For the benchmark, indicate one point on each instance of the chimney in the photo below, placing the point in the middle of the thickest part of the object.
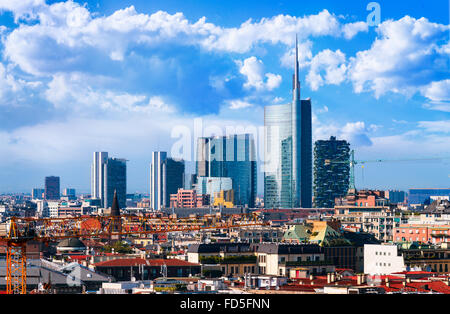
(363, 278)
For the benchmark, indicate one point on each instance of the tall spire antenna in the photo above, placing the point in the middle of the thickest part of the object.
(296, 84)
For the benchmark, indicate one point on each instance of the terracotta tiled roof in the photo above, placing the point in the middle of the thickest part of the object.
(128, 262)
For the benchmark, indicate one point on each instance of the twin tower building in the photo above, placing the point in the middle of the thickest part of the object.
(228, 163)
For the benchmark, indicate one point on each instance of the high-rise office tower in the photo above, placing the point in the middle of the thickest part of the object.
(108, 175)
(166, 177)
(52, 188)
(331, 171)
(231, 157)
(97, 175)
(202, 163)
(288, 151)
(115, 180)
(37, 193)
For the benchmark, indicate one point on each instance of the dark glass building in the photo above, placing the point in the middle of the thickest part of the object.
(52, 188)
(166, 177)
(288, 152)
(115, 179)
(173, 178)
(231, 157)
(331, 171)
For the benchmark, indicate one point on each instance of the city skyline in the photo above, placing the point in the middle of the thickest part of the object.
(86, 84)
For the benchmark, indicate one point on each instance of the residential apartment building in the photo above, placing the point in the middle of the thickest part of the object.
(377, 220)
(278, 259)
(274, 259)
(428, 258)
(331, 171)
(423, 233)
(188, 199)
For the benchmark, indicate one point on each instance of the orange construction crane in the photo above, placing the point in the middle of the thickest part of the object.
(21, 230)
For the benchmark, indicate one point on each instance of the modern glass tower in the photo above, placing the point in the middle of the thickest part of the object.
(288, 151)
(115, 180)
(108, 175)
(231, 157)
(52, 188)
(166, 177)
(97, 175)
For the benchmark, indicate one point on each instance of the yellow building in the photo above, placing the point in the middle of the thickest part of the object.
(224, 199)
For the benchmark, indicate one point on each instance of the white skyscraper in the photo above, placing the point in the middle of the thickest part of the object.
(156, 177)
(166, 177)
(98, 175)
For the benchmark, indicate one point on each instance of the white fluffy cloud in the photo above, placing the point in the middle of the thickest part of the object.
(74, 92)
(327, 67)
(439, 95)
(406, 57)
(70, 30)
(239, 104)
(356, 133)
(304, 55)
(351, 29)
(22, 8)
(253, 69)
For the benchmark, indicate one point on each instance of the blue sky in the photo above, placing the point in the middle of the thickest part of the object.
(121, 76)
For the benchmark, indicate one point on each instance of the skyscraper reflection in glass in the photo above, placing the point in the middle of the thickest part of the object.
(232, 157)
(288, 152)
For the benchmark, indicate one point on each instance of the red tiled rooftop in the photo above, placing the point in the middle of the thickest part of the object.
(79, 257)
(127, 262)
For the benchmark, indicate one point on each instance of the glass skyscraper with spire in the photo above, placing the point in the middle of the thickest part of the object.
(288, 151)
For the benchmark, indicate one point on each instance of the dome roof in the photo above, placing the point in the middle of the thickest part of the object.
(71, 243)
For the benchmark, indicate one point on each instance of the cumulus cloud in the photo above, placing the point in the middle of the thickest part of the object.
(304, 55)
(22, 8)
(71, 93)
(351, 29)
(239, 104)
(327, 67)
(253, 69)
(356, 133)
(439, 95)
(407, 55)
(67, 29)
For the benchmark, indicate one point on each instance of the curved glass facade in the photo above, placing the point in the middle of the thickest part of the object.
(288, 152)
(278, 158)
